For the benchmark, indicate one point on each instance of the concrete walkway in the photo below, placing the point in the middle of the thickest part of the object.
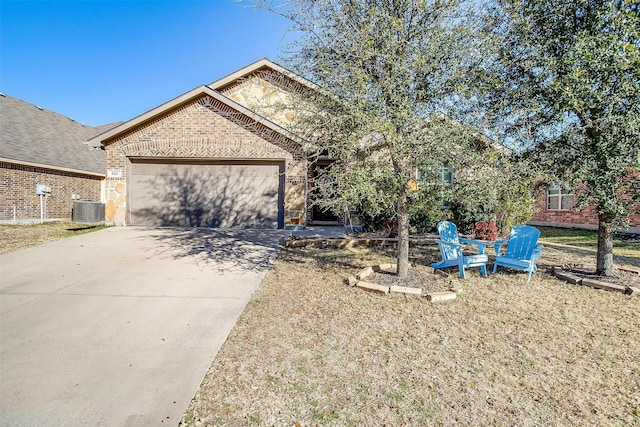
(118, 327)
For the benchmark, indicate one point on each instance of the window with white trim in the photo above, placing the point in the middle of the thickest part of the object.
(559, 197)
(440, 177)
(446, 178)
(446, 175)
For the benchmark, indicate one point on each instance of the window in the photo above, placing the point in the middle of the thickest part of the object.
(559, 197)
(442, 177)
(446, 178)
(446, 175)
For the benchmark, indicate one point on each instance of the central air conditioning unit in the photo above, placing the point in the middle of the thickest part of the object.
(84, 211)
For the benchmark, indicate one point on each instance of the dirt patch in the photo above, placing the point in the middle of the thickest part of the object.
(419, 276)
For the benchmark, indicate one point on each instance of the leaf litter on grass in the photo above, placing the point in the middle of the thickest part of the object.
(310, 350)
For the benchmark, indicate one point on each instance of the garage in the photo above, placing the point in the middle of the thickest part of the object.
(205, 159)
(200, 193)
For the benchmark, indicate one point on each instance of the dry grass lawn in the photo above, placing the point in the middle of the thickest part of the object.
(15, 237)
(309, 350)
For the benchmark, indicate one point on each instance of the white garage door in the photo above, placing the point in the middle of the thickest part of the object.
(206, 194)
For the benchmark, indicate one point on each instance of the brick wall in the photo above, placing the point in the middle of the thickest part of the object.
(587, 217)
(202, 129)
(18, 188)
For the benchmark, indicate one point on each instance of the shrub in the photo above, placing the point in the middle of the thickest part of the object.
(424, 220)
(485, 230)
(466, 215)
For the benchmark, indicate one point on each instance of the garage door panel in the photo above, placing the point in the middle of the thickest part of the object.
(206, 195)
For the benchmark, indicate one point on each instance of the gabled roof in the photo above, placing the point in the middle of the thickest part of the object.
(35, 136)
(261, 64)
(183, 99)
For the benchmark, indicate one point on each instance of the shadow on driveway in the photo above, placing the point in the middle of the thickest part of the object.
(119, 327)
(221, 249)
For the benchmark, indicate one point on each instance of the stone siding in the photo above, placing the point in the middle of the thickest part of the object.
(269, 94)
(203, 129)
(18, 189)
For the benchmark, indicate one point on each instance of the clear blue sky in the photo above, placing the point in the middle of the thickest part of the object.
(104, 61)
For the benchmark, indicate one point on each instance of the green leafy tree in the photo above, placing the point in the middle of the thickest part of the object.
(392, 71)
(567, 75)
(516, 184)
(500, 188)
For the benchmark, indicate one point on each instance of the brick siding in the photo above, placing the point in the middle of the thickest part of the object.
(18, 189)
(202, 129)
(587, 217)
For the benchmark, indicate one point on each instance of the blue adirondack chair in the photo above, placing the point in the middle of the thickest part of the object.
(522, 250)
(450, 245)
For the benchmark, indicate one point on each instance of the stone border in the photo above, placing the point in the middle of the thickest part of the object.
(630, 270)
(350, 242)
(596, 284)
(358, 281)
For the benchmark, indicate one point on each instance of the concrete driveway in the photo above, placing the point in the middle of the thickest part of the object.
(118, 327)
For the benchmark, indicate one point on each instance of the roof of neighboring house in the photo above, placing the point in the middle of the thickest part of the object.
(39, 137)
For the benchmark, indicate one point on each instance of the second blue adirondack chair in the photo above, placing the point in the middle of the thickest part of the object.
(450, 245)
(522, 250)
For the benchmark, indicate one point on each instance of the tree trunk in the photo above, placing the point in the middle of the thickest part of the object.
(604, 263)
(403, 235)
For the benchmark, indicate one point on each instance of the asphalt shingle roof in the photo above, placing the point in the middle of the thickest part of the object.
(32, 134)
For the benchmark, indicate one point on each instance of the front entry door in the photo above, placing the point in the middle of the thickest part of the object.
(318, 214)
